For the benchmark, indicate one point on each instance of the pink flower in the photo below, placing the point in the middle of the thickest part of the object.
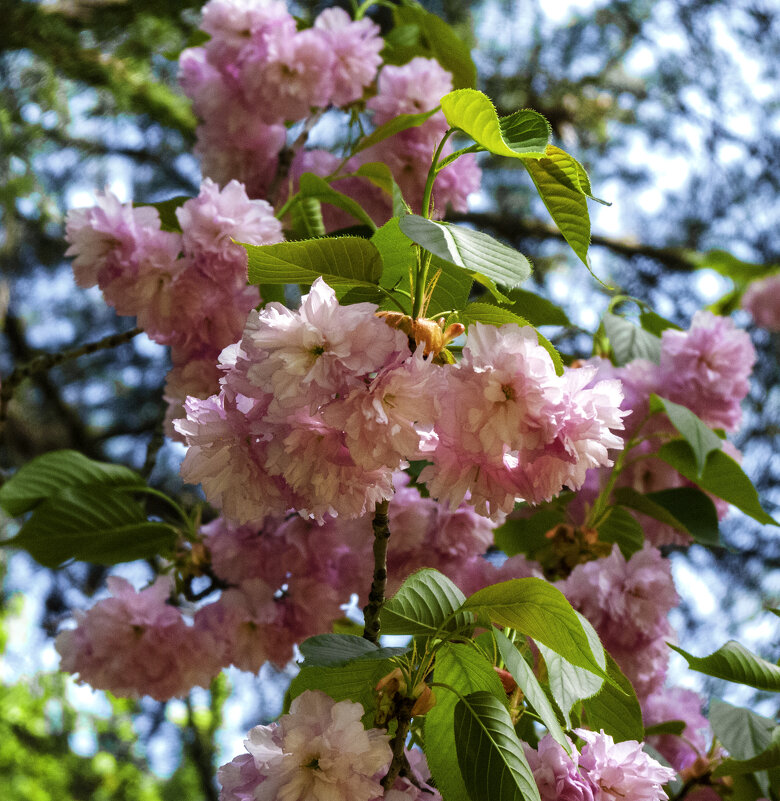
(409, 89)
(323, 348)
(707, 367)
(456, 182)
(622, 770)
(238, 779)
(356, 46)
(762, 300)
(404, 789)
(213, 219)
(109, 229)
(510, 428)
(227, 441)
(676, 703)
(319, 751)
(383, 420)
(288, 76)
(315, 462)
(135, 644)
(556, 774)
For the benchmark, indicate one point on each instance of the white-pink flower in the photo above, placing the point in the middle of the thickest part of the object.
(319, 751)
(622, 771)
(762, 300)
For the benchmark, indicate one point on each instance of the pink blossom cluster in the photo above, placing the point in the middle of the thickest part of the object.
(602, 771)
(134, 643)
(628, 601)
(257, 72)
(319, 751)
(511, 429)
(289, 579)
(317, 408)
(762, 300)
(705, 368)
(187, 290)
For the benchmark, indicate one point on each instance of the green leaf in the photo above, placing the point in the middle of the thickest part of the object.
(332, 650)
(769, 758)
(432, 37)
(557, 180)
(675, 727)
(400, 123)
(702, 439)
(380, 175)
(354, 680)
(343, 260)
(306, 219)
(424, 604)
(167, 211)
(313, 186)
(496, 315)
(90, 523)
(656, 324)
(734, 662)
(527, 535)
(532, 690)
(617, 713)
(568, 683)
(473, 251)
(491, 758)
(743, 733)
(723, 262)
(722, 476)
(465, 670)
(452, 287)
(524, 134)
(630, 342)
(621, 527)
(46, 475)
(686, 509)
(536, 309)
(694, 510)
(534, 607)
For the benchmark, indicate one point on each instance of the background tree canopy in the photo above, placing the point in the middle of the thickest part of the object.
(672, 106)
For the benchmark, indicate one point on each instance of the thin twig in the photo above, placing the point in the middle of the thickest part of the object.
(48, 360)
(377, 595)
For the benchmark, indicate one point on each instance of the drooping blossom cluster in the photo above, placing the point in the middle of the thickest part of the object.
(762, 300)
(258, 73)
(602, 771)
(628, 601)
(319, 751)
(135, 644)
(188, 290)
(514, 430)
(317, 408)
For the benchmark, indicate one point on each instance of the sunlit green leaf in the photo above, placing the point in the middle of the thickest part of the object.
(702, 439)
(734, 662)
(491, 758)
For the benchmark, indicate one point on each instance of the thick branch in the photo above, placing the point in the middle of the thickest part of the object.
(399, 743)
(674, 258)
(377, 595)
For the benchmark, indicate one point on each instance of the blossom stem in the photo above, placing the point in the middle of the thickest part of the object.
(399, 743)
(377, 595)
(426, 202)
(48, 360)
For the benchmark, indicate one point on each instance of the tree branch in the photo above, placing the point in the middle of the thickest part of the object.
(46, 361)
(376, 596)
(678, 259)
